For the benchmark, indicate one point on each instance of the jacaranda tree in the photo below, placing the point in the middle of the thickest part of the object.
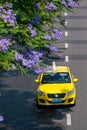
(24, 39)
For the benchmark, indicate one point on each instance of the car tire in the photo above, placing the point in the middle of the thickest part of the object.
(38, 106)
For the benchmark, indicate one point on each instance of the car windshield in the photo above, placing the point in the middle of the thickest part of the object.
(59, 77)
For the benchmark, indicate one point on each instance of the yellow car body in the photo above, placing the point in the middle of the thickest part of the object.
(54, 91)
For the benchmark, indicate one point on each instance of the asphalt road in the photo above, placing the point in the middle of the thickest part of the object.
(17, 93)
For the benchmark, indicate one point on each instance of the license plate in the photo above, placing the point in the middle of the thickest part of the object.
(56, 101)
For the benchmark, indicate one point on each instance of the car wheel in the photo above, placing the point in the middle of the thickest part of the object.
(38, 106)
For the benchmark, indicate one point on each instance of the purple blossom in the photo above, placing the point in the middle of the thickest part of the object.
(3, 11)
(18, 57)
(50, 6)
(1, 7)
(64, 2)
(37, 69)
(4, 44)
(72, 3)
(8, 5)
(1, 118)
(35, 20)
(11, 21)
(29, 59)
(33, 33)
(38, 5)
(5, 18)
(47, 68)
(37, 53)
(13, 66)
(56, 34)
(33, 55)
(47, 37)
(7, 14)
(27, 63)
(52, 48)
(29, 26)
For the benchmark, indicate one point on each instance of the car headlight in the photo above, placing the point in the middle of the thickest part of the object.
(71, 92)
(41, 93)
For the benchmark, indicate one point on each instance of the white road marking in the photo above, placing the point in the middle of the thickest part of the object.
(66, 23)
(66, 58)
(69, 122)
(66, 45)
(66, 33)
(65, 14)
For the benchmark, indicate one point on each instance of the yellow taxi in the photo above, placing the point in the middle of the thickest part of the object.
(56, 87)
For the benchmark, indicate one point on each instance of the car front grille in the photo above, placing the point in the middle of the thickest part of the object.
(58, 95)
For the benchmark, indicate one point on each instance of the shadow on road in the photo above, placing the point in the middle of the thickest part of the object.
(20, 112)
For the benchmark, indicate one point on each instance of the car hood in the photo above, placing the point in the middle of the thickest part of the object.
(56, 88)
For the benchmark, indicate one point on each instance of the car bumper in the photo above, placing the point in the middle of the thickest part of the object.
(55, 101)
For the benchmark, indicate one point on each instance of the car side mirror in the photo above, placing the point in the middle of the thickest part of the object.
(75, 80)
(37, 80)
